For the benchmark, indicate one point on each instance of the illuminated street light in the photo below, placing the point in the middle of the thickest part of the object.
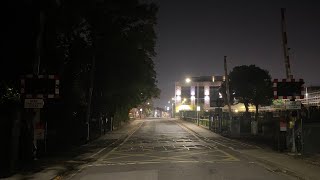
(188, 80)
(168, 102)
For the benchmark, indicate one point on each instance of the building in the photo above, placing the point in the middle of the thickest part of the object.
(312, 96)
(198, 93)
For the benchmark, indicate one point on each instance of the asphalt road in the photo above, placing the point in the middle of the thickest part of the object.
(164, 149)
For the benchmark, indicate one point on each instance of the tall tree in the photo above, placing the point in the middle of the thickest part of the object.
(251, 85)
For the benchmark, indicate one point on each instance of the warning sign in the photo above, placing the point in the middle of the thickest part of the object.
(291, 105)
(33, 103)
(39, 131)
(283, 126)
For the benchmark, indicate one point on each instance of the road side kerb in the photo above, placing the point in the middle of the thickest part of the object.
(125, 131)
(59, 171)
(273, 161)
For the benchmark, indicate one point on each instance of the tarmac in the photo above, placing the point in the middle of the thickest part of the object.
(272, 160)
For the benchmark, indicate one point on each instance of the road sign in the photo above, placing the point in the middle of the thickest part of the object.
(39, 131)
(40, 86)
(33, 103)
(288, 89)
(293, 105)
(283, 126)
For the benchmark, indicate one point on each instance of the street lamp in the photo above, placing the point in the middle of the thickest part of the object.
(188, 80)
(172, 109)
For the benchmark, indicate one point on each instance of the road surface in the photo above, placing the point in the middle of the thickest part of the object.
(165, 149)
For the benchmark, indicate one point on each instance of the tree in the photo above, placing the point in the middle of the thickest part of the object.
(251, 85)
(125, 75)
(118, 35)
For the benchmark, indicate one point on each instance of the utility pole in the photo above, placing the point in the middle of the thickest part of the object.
(227, 89)
(285, 44)
(90, 96)
(36, 71)
(198, 120)
(288, 68)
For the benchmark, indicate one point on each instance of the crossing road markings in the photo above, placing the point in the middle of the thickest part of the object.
(215, 155)
(132, 155)
(154, 162)
(191, 132)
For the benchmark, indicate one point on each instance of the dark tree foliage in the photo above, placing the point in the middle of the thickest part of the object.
(124, 49)
(251, 85)
(114, 39)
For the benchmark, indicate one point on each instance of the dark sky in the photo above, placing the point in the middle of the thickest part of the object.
(195, 35)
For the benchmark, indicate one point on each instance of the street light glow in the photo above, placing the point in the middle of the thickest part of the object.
(188, 80)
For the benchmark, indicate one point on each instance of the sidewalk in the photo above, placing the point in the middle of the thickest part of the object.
(55, 166)
(277, 161)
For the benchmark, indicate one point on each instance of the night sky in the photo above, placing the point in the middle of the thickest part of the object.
(194, 36)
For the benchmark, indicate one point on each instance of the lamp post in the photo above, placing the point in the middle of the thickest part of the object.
(172, 109)
(188, 80)
(140, 112)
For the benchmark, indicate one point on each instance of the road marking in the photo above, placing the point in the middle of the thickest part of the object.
(110, 152)
(191, 132)
(158, 162)
(81, 168)
(156, 156)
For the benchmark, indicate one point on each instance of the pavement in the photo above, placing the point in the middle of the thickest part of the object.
(274, 161)
(164, 149)
(53, 167)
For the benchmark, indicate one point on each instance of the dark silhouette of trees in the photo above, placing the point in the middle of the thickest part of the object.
(251, 85)
(100, 46)
(112, 39)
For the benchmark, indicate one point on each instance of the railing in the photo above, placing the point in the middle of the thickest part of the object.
(203, 122)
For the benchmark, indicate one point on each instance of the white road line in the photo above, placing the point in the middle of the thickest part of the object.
(194, 134)
(100, 159)
(106, 155)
